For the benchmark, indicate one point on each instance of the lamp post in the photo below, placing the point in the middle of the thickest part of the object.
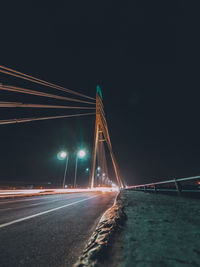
(103, 178)
(81, 154)
(98, 175)
(61, 156)
(88, 170)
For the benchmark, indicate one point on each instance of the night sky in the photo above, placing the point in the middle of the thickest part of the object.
(144, 56)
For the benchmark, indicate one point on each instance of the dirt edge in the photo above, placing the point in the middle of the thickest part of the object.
(96, 249)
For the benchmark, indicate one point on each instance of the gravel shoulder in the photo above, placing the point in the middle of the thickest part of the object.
(159, 230)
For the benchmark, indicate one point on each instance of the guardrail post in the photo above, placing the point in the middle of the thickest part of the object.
(155, 188)
(178, 187)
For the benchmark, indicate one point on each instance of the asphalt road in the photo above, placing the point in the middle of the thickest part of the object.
(49, 230)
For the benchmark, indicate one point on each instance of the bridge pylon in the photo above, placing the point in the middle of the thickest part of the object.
(101, 129)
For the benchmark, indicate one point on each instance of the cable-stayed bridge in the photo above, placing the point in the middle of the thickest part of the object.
(50, 226)
(87, 106)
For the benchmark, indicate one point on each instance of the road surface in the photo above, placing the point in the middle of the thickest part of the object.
(49, 230)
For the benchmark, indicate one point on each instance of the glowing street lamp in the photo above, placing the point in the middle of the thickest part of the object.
(61, 156)
(88, 170)
(80, 155)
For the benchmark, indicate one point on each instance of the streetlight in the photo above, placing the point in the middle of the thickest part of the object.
(61, 156)
(98, 171)
(88, 170)
(81, 154)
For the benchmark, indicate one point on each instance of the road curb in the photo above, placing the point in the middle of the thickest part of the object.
(99, 242)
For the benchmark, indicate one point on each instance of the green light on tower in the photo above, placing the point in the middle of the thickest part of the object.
(99, 91)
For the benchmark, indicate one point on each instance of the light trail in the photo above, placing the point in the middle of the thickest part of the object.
(4, 193)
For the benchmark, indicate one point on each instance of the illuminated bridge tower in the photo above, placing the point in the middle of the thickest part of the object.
(101, 134)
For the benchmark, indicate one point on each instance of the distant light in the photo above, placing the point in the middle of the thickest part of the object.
(81, 154)
(87, 170)
(104, 174)
(99, 168)
(62, 155)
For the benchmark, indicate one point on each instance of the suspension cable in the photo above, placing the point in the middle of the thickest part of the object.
(21, 120)
(39, 93)
(24, 105)
(21, 75)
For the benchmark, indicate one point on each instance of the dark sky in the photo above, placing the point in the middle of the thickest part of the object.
(143, 54)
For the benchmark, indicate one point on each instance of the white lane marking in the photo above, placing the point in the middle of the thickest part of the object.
(36, 198)
(43, 212)
(21, 200)
(35, 204)
(5, 209)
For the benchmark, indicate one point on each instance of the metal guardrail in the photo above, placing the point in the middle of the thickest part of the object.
(181, 185)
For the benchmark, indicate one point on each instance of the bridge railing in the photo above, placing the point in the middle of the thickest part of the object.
(182, 185)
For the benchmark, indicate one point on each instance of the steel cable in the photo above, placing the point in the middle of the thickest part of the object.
(32, 92)
(24, 105)
(21, 120)
(21, 75)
